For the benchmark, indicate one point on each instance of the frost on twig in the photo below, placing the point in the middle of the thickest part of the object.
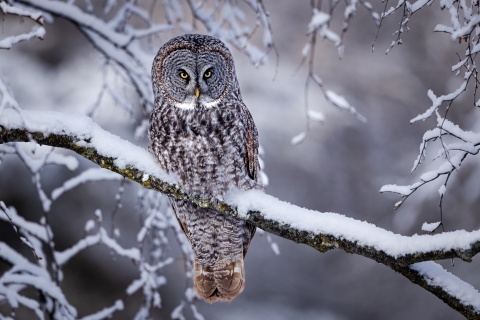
(455, 143)
(37, 31)
(322, 231)
(406, 10)
(319, 26)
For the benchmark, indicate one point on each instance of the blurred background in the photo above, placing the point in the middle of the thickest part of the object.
(339, 167)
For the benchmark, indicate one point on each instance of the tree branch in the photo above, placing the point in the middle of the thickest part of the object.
(322, 231)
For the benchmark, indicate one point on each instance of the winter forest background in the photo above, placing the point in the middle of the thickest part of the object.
(340, 165)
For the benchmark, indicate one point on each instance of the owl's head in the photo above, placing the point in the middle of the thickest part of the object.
(193, 71)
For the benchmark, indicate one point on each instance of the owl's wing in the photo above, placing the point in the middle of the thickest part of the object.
(252, 164)
(251, 156)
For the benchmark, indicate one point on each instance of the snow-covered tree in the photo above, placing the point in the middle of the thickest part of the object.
(125, 36)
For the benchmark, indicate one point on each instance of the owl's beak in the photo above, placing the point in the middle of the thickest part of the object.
(197, 92)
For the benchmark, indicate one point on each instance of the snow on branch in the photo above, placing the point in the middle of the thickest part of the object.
(37, 31)
(322, 231)
(319, 25)
(455, 153)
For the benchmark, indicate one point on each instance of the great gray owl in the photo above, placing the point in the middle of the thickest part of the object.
(201, 130)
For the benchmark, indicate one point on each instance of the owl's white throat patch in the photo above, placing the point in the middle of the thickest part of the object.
(191, 104)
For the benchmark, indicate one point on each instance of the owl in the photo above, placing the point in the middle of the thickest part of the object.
(201, 130)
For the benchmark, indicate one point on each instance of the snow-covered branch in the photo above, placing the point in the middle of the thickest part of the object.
(37, 31)
(319, 26)
(322, 231)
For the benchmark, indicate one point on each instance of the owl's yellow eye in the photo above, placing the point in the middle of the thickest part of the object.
(207, 74)
(183, 75)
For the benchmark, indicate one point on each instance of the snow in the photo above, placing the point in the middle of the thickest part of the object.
(319, 19)
(275, 248)
(429, 175)
(437, 101)
(263, 178)
(89, 225)
(437, 276)
(459, 64)
(317, 79)
(341, 103)
(37, 32)
(135, 285)
(339, 226)
(68, 161)
(90, 134)
(64, 256)
(42, 284)
(368, 5)
(105, 313)
(31, 227)
(467, 29)
(443, 28)
(89, 175)
(98, 215)
(441, 190)
(475, 49)
(76, 14)
(455, 130)
(101, 237)
(299, 138)
(306, 49)
(417, 5)
(132, 253)
(316, 115)
(8, 9)
(430, 227)
(403, 190)
(177, 313)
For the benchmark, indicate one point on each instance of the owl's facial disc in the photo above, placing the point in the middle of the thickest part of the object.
(193, 80)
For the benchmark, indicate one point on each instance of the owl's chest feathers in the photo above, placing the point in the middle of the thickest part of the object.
(205, 149)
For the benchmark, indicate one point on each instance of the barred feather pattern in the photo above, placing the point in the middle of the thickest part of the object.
(213, 148)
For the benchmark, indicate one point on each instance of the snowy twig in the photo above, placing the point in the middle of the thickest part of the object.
(320, 26)
(37, 31)
(322, 231)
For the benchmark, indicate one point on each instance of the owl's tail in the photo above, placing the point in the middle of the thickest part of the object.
(220, 282)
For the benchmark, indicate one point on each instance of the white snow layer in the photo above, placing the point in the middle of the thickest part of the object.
(439, 277)
(319, 18)
(299, 138)
(337, 225)
(430, 227)
(105, 313)
(89, 175)
(125, 153)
